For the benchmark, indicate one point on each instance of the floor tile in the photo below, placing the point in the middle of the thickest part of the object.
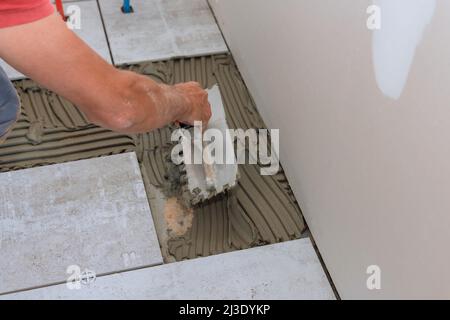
(288, 270)
(90, 213)
(161, 29)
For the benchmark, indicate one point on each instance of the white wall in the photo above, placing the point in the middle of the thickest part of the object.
(365, 142)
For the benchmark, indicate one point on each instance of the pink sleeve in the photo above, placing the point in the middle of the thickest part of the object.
(15, 12)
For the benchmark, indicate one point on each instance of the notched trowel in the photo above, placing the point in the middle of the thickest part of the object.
(208, 164)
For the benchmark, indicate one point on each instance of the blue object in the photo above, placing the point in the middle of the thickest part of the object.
(127, 8)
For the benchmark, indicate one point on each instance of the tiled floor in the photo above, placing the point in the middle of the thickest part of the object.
(78, 213)
(94, 213)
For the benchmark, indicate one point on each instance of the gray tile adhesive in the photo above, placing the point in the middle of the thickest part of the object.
(260, 210)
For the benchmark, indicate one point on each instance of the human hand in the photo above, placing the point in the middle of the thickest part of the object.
(197, 104)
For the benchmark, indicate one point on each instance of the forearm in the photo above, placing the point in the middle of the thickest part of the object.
(48, 52)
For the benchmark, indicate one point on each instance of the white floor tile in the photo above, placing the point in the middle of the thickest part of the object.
(161, 29)
(90, 213)
(288, 270)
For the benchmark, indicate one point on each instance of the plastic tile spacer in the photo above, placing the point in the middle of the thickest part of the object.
(126, 7)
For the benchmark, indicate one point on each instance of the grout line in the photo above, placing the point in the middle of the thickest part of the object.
(105, 32)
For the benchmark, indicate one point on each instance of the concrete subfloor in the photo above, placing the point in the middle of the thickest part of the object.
(289, 270)
(77, 213)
